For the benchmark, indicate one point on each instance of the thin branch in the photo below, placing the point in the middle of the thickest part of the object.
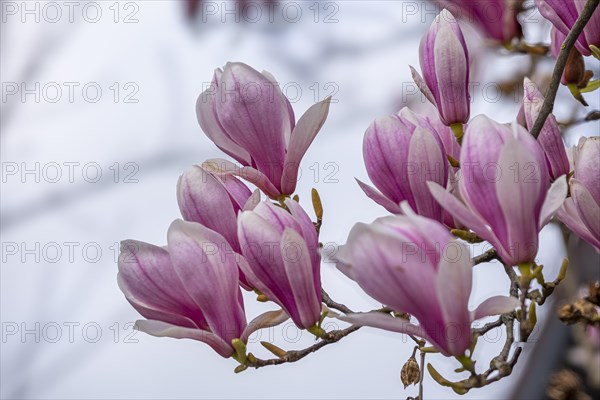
(422, 376)
(561, 62)
(485, 257)
(295, 355)
(333, 304)
(488, 327)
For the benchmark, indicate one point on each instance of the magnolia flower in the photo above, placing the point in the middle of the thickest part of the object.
(581, 211)
(247, 116)
(414, 265)
(281, 248)
(174, 287)
(496, 19)
(563, 14)
(505, 189)
(188, 289)
(445, 66)
(402, 152)
(549, 139)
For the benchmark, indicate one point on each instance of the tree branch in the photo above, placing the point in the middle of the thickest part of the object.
(332, 304)
(295, 355)
(561, 62)
(485, 257)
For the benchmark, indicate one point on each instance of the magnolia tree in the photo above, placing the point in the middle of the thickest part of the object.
(446, 178)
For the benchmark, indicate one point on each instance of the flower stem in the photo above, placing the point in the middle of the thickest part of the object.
(457, 129)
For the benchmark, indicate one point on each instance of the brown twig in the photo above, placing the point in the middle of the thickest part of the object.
(422, 376)
(561, 62)
(488, 327)
(295, 355)
(333, 304)
(485, 257)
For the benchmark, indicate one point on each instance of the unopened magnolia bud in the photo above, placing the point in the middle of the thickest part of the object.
(575, 68)
(410, 374)
(279, 352)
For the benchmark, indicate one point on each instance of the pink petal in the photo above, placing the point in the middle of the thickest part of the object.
(252, 201)
(392, 268)
(259, 241)
(518, 191)
(480, 151)
(387, 322)
(382, 321)
(422, 85)
(303, 135)
(265, 320)
(203, 198)
(300, 275)
(554, 199)
(588, 209)
(308, 232)
(461, 212)
(495, 305)
(255, 116)
(587, 165)
(150, 283)
(569, 215)
(453, 286)
(260, 180)
(454, 282)
(206, 265)
(452, 73)
(162, 329)
(378, 198)
(207, 117)
(426, 152)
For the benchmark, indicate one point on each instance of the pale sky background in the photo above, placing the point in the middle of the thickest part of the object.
(83, 346)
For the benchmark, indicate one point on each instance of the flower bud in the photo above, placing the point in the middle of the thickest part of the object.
(283, 262)
(574, 69)
(402, 153)
(444, 60)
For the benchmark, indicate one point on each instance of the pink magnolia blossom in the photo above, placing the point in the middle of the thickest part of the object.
(504, 186)
(550, 139)
(563, 14)
(283, 262)
(247, 116)
(402, 152)
(581, 211)
(188, 289)
(414, 265)
(445, 65)
(496, 19)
